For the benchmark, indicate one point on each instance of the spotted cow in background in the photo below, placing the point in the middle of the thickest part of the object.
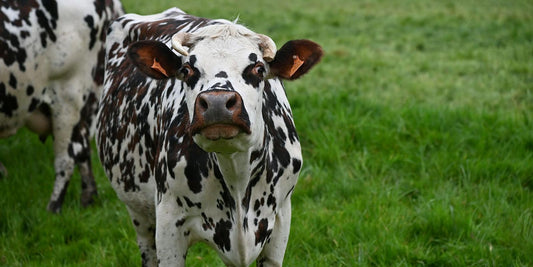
(198, 141)
(51, 75)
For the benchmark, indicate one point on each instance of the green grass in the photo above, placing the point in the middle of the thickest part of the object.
(416, 130)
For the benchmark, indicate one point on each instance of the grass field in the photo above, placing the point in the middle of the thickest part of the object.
(417, 132)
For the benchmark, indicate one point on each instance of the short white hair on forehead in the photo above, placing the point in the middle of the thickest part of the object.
(225, 31)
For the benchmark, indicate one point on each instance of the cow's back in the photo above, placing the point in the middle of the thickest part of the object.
(51, 76)
(42, 45)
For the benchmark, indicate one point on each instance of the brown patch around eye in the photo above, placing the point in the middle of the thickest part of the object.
(254, 74)
(186, 71)
(259, 70)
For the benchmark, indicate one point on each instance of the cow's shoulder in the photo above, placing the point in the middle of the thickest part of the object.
(284, 157)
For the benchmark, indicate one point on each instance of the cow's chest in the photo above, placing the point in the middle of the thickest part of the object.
(234, 219)
(237, 233)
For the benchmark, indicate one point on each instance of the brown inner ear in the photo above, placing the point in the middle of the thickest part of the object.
(296, 64)
(154, 59)
(158, 67)
(295, 58)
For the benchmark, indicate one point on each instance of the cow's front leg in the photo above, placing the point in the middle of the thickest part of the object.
(88, 185)
(3, 171)
(71, 123)
(145, 229)
(64, 166)
(274, 250)
(64, 117)
(171, 244)
(80, 149)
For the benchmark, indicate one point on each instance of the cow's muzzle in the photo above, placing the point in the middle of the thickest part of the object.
(219, 114)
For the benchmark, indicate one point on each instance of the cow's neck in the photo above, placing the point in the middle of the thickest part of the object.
(241, 171)
(235, 169)
(239, 168)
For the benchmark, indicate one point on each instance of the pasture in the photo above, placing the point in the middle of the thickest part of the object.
(416, 129)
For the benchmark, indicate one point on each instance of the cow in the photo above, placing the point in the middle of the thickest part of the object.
(51, 77)
(196, 135)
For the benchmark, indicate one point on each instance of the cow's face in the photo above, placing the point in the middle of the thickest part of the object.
(224, 69)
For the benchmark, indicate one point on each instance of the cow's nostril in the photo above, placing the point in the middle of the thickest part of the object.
(203, 104)
(231, 102)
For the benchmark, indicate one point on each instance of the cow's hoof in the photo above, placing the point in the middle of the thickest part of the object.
(54, 207)
(87, 198)
(3, 171)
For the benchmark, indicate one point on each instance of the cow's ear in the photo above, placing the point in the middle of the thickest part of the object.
(295, 58)
(154, 59)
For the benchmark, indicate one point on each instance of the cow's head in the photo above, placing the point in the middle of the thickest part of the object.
(224, 69)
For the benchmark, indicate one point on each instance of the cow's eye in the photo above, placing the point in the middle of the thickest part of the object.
(259, 70)
(186, 71)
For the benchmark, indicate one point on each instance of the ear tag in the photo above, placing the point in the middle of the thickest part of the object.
(158, 67)
(296, 64)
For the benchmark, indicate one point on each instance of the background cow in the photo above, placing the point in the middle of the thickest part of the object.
(201, 145)
(51, 73)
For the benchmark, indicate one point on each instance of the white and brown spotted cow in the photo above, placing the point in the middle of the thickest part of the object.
(51, 76)
(198, 141)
